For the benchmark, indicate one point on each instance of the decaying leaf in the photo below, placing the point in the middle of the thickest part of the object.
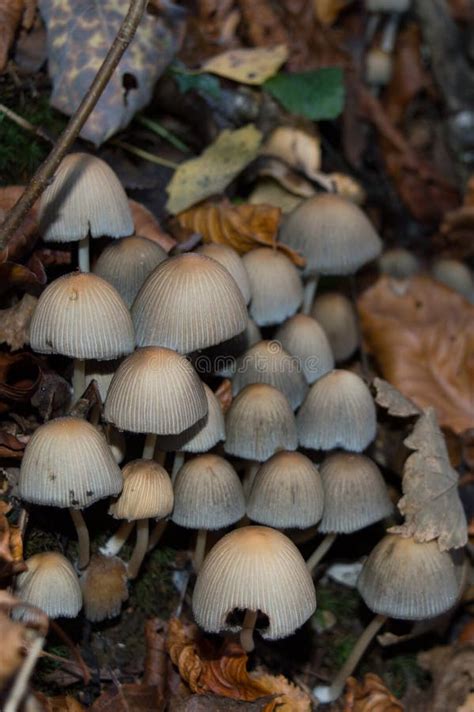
(243, 227)
(10, 446)
(146, 225)
(11, 551)
(263, 25)
(226, 673)
(327, 11)
(394, 402)
(80, 34)
(213, 703)
(452, 671)
(214, 169)
(124, 698)
(422, 336)
(61, 703)
(224, 394)
(431, 504)
(370, 695)
(12, 649)
(20, 375)
(248, 65)
(11, 14)
(269, 192)
(15, 322)
(25, 237)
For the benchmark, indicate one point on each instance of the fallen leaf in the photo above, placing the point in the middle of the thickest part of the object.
(248, 65)
(146, 225)
(394, 402)
(226, 673)
(299, 149)
(421, 334)
(156, 658)
(20, 276)
(20, 375)
(452, 672)
(243, 227)
(327, 11)
(316, 94)
(214, 169)
(213, 703)
(263, 25)
(224, 394)
(125, 698)
(11, 551)
(370, 695)
(13, 647)
(10, 446)
(80, 33)
(431, 504)
(53, 395)
(11, 14)
(268, 191)
(23, 240)
(61, 703)
(15, 322)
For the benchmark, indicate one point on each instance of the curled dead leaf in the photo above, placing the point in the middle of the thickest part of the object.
(146, 225)
(452, 670)
(22, 241)
(422, 336)
(370, 695)
(20, 375)
(242, 227)
(394, 402)
(11, 550)
(12, 649)
(15, 322)
(61, 703)
(224, 394)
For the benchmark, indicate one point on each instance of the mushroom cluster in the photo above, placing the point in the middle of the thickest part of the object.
(159, 321)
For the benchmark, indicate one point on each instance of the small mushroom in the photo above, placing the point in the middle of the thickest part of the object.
(51, 584)
(233, 263)
(302, 337)
(336, 315)
(399, 263)
(456, 275)
(104, 587)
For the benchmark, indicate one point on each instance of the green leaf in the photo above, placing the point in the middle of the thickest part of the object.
(317, 94)
(202, 83)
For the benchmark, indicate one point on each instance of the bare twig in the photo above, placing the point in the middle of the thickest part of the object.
(41, 178)
(26, 125)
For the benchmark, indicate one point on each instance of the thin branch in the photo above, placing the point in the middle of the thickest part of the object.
(26, 125)
(42, 176)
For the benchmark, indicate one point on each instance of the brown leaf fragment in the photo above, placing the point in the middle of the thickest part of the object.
(53, 395)
(10, 446)
(125, 698)
(23, 240)
(262, 25)
(394, 402)
(224, 394)
(61, 703)
(431, 504)
(213, 703)
(15, 322)
(421, 334)
(11, 14)
(327, 11)
(11, 550)
(370, 695)
(12, 649)
(452, 670)
(146, 225)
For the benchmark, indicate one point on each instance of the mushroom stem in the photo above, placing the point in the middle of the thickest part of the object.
(320, 551)
(326, 693)
(309, 294)
(246, 633)
(200, 549)
(178, 462)
(149, 447)
(117, 540)
(82, 537)
(83, 255)
(79, 378)
(155, 536)
(249, 476)
(18, 690)
(389, 32)
(140, 549)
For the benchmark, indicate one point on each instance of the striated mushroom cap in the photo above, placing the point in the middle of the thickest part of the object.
(188, 302)
(208, 494)
(333, 234)
(67, 463)
(85, 197)
(259, 569)
(82, 316)
(267, 362)
(126, 264)
(336, 315)
(232, 261)
(155, 390)
(406, 579)
(51, 584)
(275, 285)
(259, 423)
(355, 493)
(338, 412)
(147, 492)
(287, 492)
(302, 337)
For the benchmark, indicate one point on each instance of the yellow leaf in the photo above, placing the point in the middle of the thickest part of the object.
(247, 66)
(214, 169)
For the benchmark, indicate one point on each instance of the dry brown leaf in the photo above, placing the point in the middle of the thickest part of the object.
(11, 551)
(394, 402)
(22, 241)
(62, 703)
(15, 322)
(243, 227)
(431, 504)
(456, 233)
(327, 11)
(20, 376)
(11, 14)
(452, 670)
(263, 26)
(12, 649)
(370, 695)
(224, 394)
(146, 225)
(125, 698)
(226, 674)
(422, 336)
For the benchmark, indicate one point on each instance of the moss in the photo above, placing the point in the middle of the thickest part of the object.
(342, 602)
(403, 670)
(340, 650)
(153, 592)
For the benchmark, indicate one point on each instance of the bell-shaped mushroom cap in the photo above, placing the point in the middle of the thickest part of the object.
(231, 260)
(208, 494)
(259, 423)
(355, 493)
(275, 285)
(406, 579)
(333, 234)
(50, 583)
(259, 569)
(81, 316)
(336, 315)
(157, 391)
(267, 362)
(104, 587)
(67, 463)
(302, 337)
(456, 275)
(188, 302)
(287, 492)
(147, 492)
(214, 429)
(85, 197)
(126, 264)
(337, 412)
(399, 263)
